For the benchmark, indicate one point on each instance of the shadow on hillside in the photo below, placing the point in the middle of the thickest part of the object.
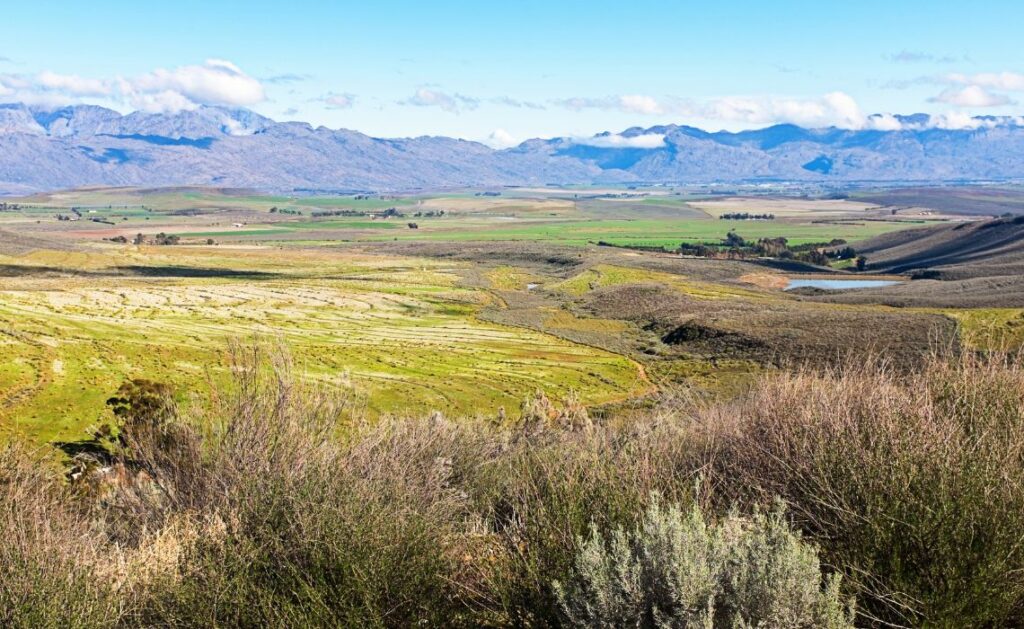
(18, 270)
(192, 271)
(92, 448)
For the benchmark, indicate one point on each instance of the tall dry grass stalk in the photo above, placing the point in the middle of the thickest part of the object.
(913, 484)
(51, 555)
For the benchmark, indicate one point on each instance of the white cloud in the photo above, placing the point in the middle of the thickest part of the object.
(166, 101)
(971, 96)
(501, 139)
(833, 109)
(639, 104)
(579, 103)
(1008, 81)
(286, 78)
(955, 120)
(508, 101)
(339, 101)
(614, 140)
(73, 85)
(216, 82)
(630, 103)
(883, 122)
(453, 103)
(914, 56)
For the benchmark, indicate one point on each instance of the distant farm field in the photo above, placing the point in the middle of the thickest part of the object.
(664, 233)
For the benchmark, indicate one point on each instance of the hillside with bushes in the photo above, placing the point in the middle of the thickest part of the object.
(818, 498)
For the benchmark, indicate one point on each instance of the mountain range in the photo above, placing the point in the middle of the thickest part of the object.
(84, 145)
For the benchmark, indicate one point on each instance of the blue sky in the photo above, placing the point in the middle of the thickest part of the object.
(504, 73)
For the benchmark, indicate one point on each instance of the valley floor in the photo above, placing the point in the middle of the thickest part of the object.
(467, 315)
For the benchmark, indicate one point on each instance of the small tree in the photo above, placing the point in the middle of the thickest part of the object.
(142, 401)
(732, 239)
(862, 263)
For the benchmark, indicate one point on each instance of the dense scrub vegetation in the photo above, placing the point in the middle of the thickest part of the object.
(898, 498)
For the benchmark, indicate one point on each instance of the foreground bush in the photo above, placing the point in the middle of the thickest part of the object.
(51, 572)
(913, 485)
(674, 569)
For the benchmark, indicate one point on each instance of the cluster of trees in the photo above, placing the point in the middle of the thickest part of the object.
(284, 210)
(166, 239)
(9, 207)
(488, 194)
(325, 213)
(746, 216)
(159, 239)
(391, 212)
(735, 247)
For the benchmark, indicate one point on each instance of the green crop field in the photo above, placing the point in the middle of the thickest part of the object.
(666, 233)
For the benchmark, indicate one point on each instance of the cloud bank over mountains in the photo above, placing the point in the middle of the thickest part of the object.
(215, 82)
(219, 82)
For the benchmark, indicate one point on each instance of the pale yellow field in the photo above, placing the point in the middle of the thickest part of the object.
(783, 208)
(501, 206)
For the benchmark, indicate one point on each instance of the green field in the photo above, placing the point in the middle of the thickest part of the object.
(400, 331)
(666, 233)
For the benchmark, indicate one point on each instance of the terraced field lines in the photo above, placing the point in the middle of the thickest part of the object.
(405, 334)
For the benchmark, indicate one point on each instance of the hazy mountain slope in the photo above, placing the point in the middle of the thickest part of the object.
(88, 145)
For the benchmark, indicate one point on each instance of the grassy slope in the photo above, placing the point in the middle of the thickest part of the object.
(399, 329)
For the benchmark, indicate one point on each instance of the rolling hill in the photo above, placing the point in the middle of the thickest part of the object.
(957, 251)
(962, 265)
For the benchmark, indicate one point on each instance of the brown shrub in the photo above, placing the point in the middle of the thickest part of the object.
(912, 484)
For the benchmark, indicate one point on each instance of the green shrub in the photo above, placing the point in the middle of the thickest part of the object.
(675, 569)
(539, 492)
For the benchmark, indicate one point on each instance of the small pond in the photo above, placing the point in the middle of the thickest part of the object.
(839, 284)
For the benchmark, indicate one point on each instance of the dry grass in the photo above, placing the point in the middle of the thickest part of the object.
(914, 485)
(286, 513)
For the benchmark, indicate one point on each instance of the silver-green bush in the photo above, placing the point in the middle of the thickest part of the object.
(675, 569)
